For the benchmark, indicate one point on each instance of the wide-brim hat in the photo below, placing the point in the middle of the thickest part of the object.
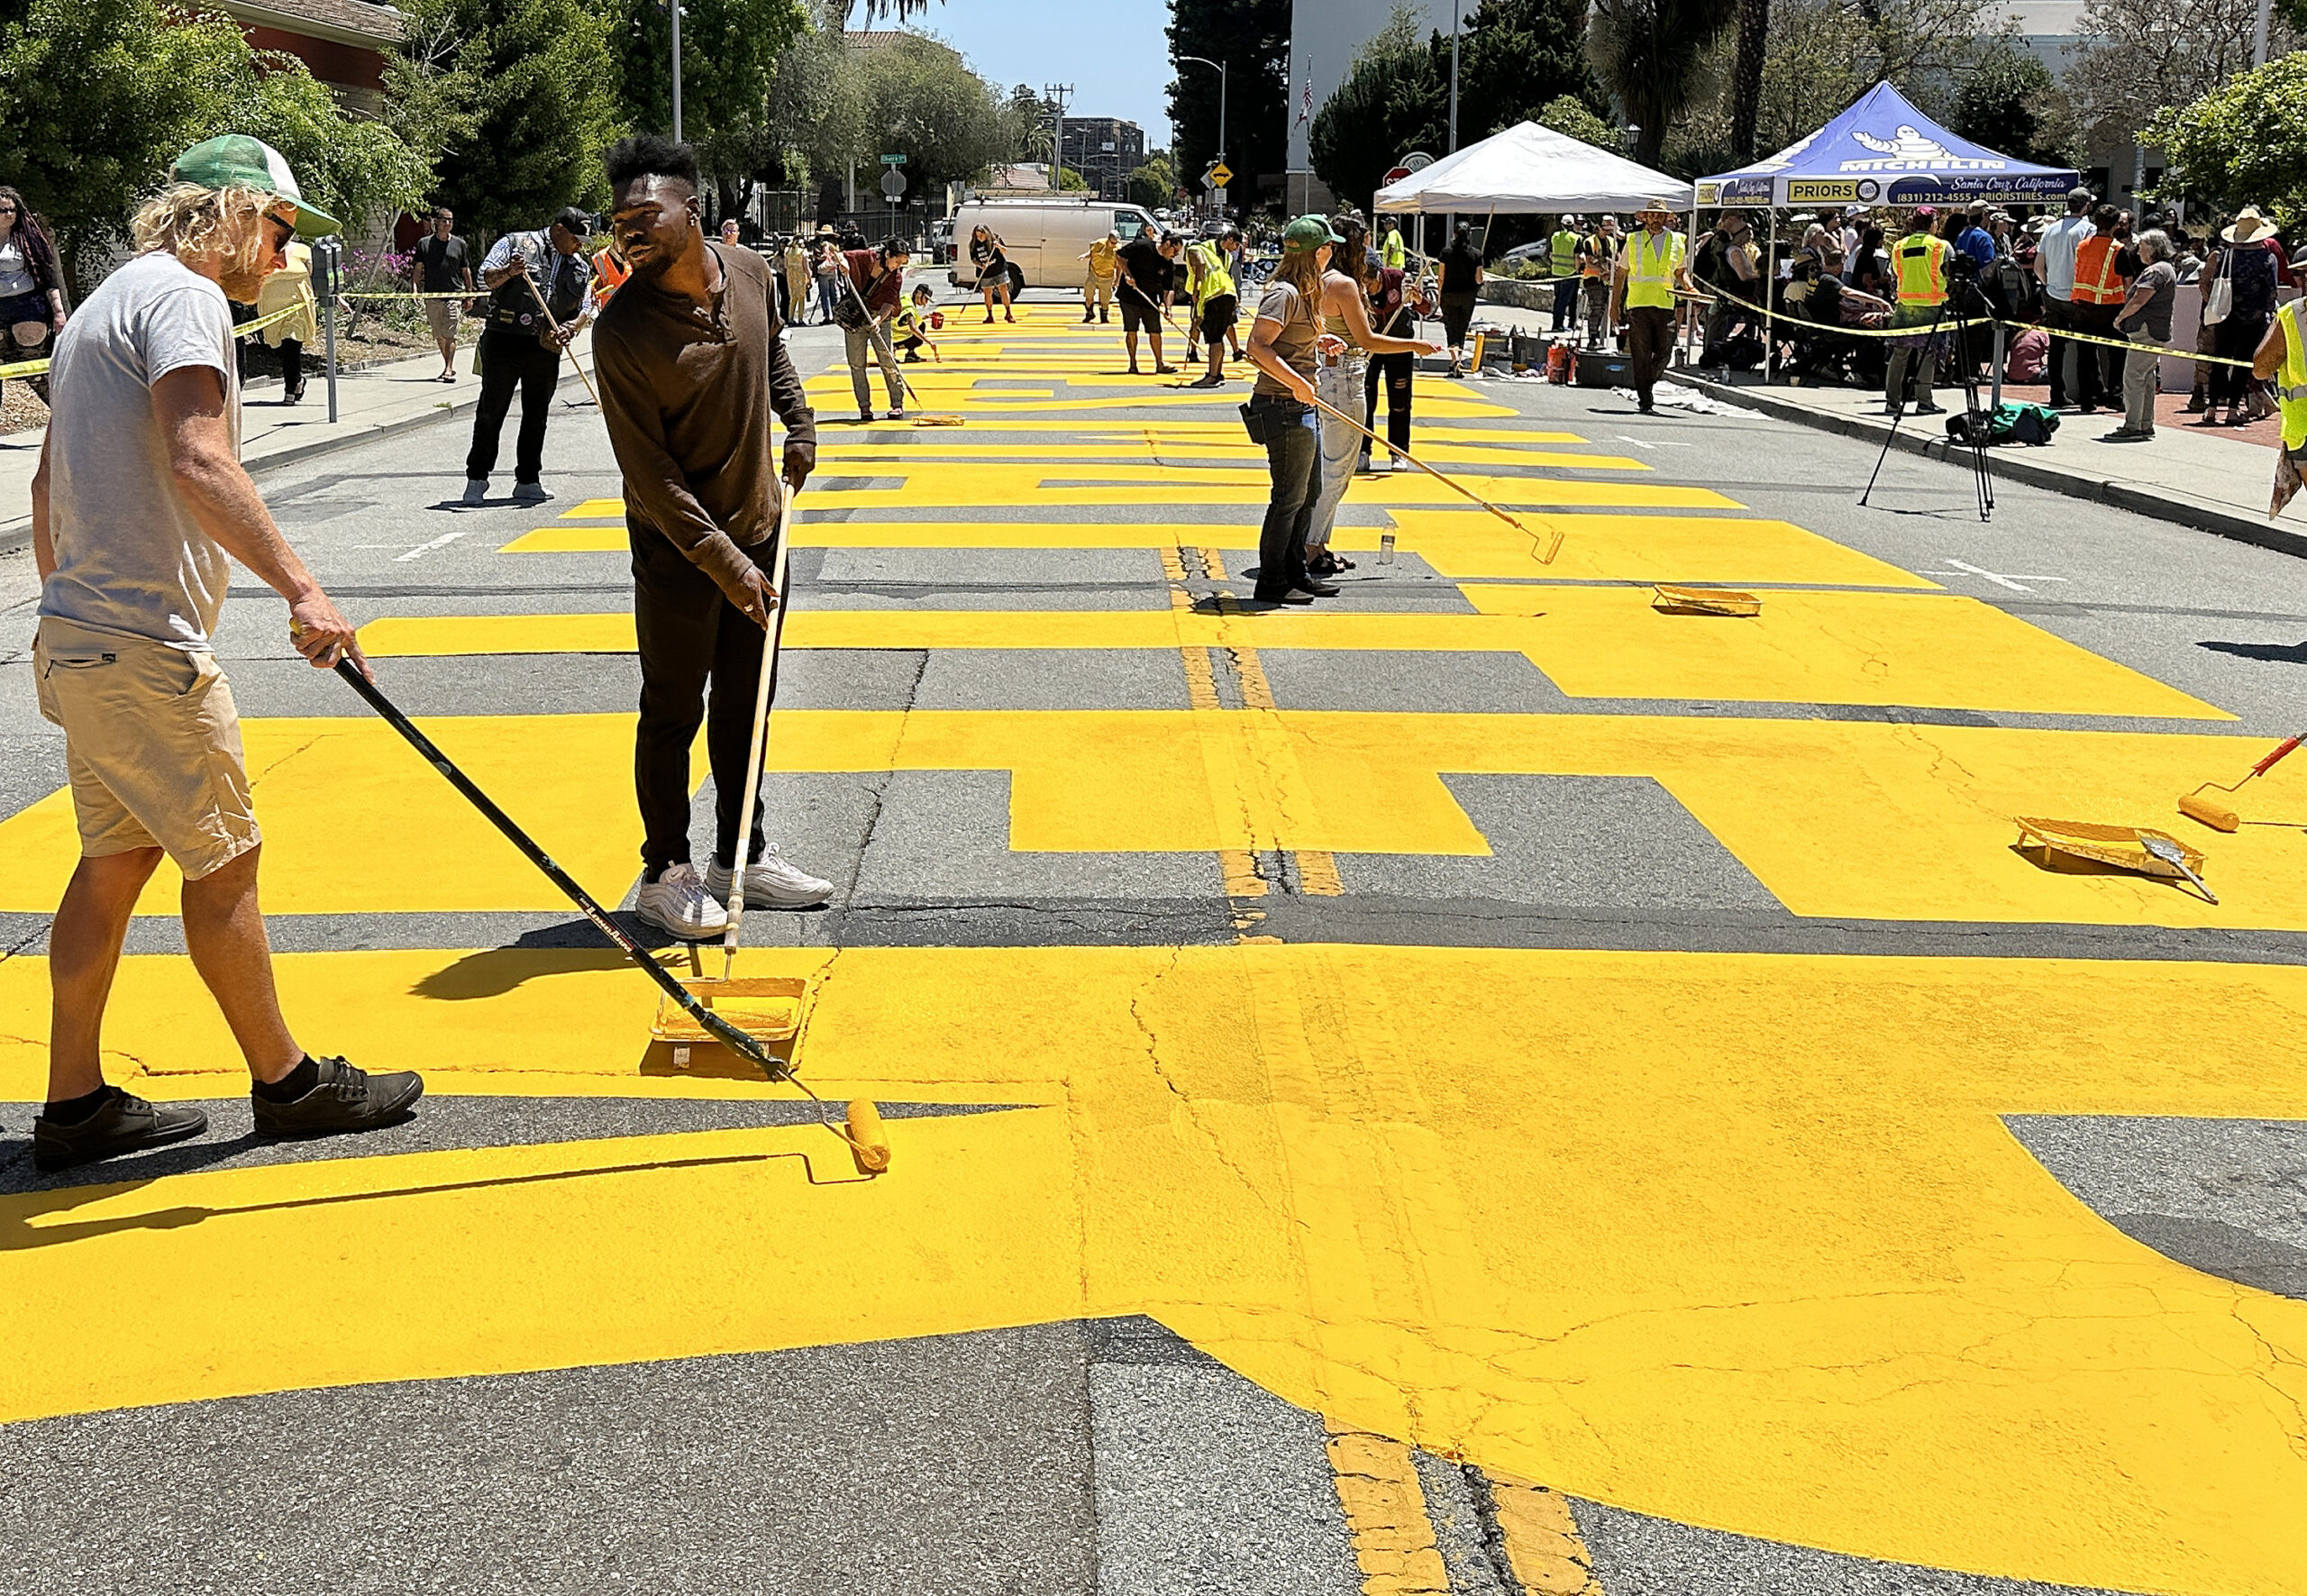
(236, 161)
(2248, 227)
(1654, 206)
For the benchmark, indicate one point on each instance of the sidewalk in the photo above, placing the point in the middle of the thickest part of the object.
(2216, 481)
(371, 401)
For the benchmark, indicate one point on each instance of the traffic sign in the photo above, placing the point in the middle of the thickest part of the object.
(1218, 175)
(1417, 160)
(893, 160)
(893, 182)
(1394, 176)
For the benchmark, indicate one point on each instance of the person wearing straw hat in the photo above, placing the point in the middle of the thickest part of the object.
(140, 507)
(692, 361)
(1649, 272)
(2251, 272)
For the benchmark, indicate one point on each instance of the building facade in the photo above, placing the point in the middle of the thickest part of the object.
(343, 43)
(1325, 35)
(1105, 149)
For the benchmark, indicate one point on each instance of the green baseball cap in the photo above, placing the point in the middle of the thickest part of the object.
(1306, 234)
(235, 160)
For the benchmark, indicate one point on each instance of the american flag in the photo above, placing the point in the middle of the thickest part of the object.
(1306, 103)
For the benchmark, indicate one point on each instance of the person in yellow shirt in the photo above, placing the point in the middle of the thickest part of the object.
(1394, 254)
(1918, 266)
(290, 290)
(1650, 269)
(911, 324)
(1098, 288)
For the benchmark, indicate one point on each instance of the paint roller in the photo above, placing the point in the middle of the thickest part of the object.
(2221, 816)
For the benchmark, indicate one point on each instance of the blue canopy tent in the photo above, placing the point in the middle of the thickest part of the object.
(1882, 151)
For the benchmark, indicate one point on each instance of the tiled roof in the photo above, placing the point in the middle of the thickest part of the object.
(330, 17)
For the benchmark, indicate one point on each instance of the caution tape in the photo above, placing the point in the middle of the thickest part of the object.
(408, 294)
(1921, 330)
(242, 330)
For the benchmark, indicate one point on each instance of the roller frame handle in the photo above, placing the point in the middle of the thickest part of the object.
(2282, 748)
(1448, 481)
(720, 1029)
(757, 749)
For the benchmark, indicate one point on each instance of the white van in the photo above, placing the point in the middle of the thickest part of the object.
(1045, 239)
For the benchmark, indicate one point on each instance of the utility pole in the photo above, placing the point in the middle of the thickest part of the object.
(1056, 95)
(1455, 7)
(1222, 75)
(2259, 34)
(674, 6)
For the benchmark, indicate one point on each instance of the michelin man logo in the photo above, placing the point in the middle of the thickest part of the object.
(1910, 151)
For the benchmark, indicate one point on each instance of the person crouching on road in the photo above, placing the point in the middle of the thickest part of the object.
(1342, 382)
(1284, 342)
(1918, 264)
(692, 361)
(875, 290)
(1650, 269)
(911, 326)
(536, 282)
(139, 507)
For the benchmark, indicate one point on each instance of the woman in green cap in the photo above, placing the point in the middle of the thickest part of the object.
(1285, 343)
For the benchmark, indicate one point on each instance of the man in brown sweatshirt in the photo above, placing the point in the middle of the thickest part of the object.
(691, 359)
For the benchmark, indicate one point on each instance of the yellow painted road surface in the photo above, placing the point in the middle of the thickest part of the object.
(1737, 1239)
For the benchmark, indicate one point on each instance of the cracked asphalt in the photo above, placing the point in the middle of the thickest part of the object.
(1478, 1087)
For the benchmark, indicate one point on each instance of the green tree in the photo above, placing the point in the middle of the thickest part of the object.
(922, 100)
(729, 54)
(2243, 143)
(103, 94)
(1394, 98)
(815, 112)
(1747, 77)
(519, 94)
(1654, 56)
(1570, 115)
(1517, 57)
(1154, 184)
(1824, 54)
(1252, 38)
(2144, 56)
(2008, 101)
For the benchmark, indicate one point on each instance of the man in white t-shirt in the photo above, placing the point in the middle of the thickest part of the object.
(2055, 265)
(139, 507)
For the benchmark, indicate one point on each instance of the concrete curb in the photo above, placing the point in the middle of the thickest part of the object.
(2017, 464)
(16, 533)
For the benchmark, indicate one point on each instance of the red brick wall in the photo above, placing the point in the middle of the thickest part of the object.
(352, 65)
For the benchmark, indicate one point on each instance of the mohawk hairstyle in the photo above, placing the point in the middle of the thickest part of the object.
(649, 155)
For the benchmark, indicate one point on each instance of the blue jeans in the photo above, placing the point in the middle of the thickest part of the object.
(1565, 304)
(829, 296)
(1293, 457)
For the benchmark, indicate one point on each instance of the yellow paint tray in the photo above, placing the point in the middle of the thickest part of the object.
(2122, 847)
(768, 1008)
(1668, 598)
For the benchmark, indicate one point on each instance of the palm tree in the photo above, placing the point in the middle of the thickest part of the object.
(1651, 55)
(869, 12)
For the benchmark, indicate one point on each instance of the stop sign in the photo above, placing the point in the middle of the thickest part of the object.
(1394, 176)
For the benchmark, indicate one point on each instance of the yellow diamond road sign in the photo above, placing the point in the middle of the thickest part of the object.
(1220, 175)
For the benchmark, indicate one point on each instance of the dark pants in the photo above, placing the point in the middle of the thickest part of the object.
(1394, 371)
(1457, 316)
(1565, 304)
(291, 351)
(2093, 373)
(1650, 341)
(510, 361)
(2058, 315)
(2238, 338)
(1293, 457)
(689, 634)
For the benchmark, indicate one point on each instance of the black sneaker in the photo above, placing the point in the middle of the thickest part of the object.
(1312, 588)
(125, 1124)
(345, 1100)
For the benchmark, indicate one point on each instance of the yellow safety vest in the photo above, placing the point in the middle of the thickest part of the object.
(1564, 245)
(1921, 263)
(1214, 279)
(2291, 378)
(1651, 265)
(1393, 252)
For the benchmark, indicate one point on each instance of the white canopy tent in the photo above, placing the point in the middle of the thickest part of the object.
(1531, 169)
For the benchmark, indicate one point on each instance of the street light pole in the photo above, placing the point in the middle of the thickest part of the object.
(675, 7)
(1455, 7)
(1222, 75)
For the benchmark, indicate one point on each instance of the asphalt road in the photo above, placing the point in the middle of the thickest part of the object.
(1482, 1086)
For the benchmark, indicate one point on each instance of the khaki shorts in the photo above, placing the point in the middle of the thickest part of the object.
(443, 315)
(153, 745)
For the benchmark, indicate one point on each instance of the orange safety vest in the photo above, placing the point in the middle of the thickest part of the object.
(2096, 280)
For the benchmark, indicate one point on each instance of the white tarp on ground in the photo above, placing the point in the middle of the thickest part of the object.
(1531, 169)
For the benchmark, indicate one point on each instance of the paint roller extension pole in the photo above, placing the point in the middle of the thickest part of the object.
(1551, 545)
(537, 294)
(757, 748)
(2221, 816)
(720, 1029)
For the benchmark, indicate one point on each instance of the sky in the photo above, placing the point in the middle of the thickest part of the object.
(1112, 51)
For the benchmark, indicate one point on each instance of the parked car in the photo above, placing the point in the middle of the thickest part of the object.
(941, 242)
(1044, 239)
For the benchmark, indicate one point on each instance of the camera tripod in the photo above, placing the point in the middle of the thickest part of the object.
(1972, 425)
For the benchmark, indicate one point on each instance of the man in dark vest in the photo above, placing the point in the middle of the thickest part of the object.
(536, 287)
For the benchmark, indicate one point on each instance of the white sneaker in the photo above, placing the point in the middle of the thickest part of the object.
(477, 491)
(531, 493)
(770, 883)
(677, 903)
